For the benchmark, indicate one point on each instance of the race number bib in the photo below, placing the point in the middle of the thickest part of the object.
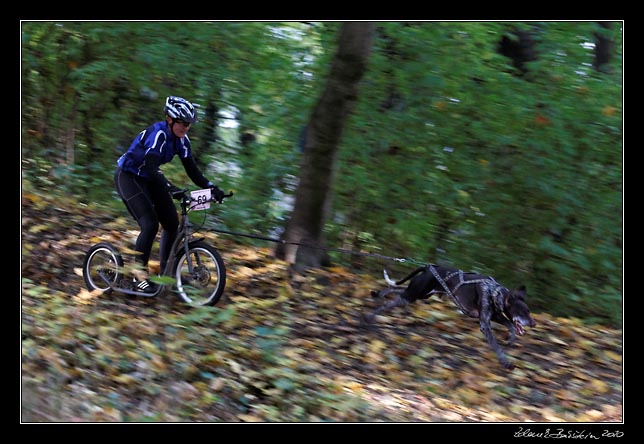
(201, 199)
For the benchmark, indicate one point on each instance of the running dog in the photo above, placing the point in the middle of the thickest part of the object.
(475, 295)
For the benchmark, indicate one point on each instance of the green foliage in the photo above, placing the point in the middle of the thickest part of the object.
(460, 160)
(450, 155)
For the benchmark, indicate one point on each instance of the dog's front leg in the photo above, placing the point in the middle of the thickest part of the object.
(486, 329)
(512, 338)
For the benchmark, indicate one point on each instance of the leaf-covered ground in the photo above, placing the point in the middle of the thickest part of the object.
(281, 348)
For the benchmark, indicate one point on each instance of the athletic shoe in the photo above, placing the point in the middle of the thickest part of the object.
(145, 286)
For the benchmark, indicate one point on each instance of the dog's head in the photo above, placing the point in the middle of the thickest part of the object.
(517, 310)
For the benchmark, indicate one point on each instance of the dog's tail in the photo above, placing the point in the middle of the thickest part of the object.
(390, 282)
(405, 279)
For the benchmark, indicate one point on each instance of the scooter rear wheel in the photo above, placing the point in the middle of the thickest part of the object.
(102, 261)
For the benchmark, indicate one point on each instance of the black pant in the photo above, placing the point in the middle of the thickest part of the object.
(150, 204)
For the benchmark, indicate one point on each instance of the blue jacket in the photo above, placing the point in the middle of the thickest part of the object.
(155, 146)
(157, 141)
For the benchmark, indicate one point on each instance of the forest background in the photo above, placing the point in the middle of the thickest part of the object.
(490, 146)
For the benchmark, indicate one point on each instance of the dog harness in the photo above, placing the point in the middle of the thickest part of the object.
(489, 285)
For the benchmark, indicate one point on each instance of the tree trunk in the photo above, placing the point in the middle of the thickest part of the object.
(519, 46)
(603, 48)
(323, 135)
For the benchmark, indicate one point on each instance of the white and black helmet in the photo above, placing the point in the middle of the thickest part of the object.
(180, 108)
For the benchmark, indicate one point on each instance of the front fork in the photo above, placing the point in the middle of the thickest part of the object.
(191, 264)
(174, 256)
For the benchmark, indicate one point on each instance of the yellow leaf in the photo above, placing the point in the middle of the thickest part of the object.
(353, 386)
(376, 346)
(599, 386)
(541, 379)
(586, 344)
(591, 416)
(468, 395)
(613, 356)
(583, 376)
(38, 228)
(550, 415)
(32, 197)
(158, 364)
(564, 394)
(556, 340)
(235, 367)
(105, 331)
(107, 414)
(127, 250)
(131, 355)
(200, 387)
(609, 110)
(443, 403)
(149, 347)
(373, 358)
(250, 418)
(53, 358)
(116, 223)
(285, 292)
(213, 358)
(124, 379)
(217, 384)
(292, 352)
(574, 353)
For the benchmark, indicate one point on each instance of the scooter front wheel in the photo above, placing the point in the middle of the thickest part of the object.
(200, 274)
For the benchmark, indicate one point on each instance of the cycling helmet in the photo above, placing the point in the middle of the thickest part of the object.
(180, 108)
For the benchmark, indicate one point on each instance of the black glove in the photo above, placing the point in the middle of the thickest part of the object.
(217, 194)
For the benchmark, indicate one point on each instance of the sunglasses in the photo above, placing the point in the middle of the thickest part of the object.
(181, 122)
